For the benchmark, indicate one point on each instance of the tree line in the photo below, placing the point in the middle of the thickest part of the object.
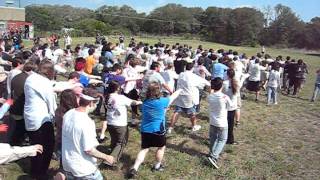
(277, 25)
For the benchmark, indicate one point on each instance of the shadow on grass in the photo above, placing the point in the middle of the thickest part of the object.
(180, 148)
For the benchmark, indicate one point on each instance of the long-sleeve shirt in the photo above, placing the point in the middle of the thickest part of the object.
(40, 103)
(11, 153)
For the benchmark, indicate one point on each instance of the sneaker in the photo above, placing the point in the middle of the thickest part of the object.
(213, 161)
(276, 103)
(132, 173)
(102, 140)
(161, 168)
(196, 128)
(234, 143)
(169, 131)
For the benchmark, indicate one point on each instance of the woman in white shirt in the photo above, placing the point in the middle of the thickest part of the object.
(232, 90)
(130, 88)
(116, 117)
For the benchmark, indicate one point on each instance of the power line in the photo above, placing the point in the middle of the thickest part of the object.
(153, 19)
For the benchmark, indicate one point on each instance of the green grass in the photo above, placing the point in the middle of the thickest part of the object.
(277, 142)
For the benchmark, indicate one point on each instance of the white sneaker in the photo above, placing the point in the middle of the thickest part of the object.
(196, 128)
(169, 131)
(213, 162)
(276, 103)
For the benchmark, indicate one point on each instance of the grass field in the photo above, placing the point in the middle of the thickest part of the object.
(277, 142)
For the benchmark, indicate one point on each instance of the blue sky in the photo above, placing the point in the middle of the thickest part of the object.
(305, 9)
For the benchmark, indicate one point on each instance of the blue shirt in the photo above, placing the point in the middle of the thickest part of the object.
(218, 70)
(153, 115)
(84, 80)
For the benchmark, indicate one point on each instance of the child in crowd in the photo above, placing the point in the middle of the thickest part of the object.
(272, 85)
(219, 104)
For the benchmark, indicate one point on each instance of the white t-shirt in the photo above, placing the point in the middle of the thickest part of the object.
(233, 97)
(169, 76)
(274, 79)
(255, 72)
(219, 104)
(78, 135)
(238, 70)
(117, 109)
(190, 84)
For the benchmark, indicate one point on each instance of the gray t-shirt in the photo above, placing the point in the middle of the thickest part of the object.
(151, 76)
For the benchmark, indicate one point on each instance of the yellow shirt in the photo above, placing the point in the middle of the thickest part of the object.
(90, 62)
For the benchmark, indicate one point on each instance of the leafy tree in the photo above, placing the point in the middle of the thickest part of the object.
(91, 26)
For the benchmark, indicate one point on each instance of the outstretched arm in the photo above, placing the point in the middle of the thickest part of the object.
(174, 95)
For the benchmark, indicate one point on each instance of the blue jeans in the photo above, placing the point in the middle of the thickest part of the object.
(272, 95)
(94, 176)
(218, 138)
(315, 91)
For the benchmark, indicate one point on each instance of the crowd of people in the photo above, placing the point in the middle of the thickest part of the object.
(108, 78)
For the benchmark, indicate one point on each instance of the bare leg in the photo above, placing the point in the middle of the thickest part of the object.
(159, 156)
(174, 119)
(257, 95)
(193, 120)
(237, 116)
(103, 129)
(140, 158)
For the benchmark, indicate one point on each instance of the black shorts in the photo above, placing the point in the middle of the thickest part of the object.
(152, 140)
(253, 86)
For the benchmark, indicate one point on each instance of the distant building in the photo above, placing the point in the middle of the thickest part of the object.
(12, 19)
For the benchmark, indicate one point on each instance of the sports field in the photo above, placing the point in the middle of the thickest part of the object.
(276, 142)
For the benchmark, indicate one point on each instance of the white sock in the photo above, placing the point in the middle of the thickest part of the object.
(136, 166)
(102, 136)
(157, 165)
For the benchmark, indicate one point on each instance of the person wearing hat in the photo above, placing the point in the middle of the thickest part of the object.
(79, 153)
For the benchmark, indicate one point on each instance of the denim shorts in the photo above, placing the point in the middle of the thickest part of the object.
(188, 111)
